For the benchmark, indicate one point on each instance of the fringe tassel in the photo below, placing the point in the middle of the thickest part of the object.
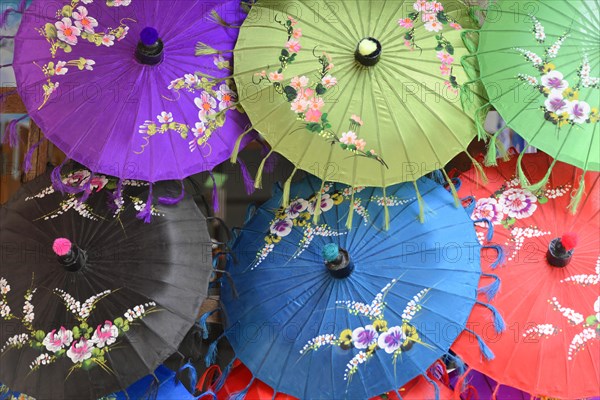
(480, 172)
(203, 324)
(209, 392)
(29, 155)
(469, 43)
(499, 324)
(187, 375)
(350, 212)
(242, 395)
(490, 232)
(115, 196)
(152, 391)
(480, 120)
(202, 49)
(11, 134)
(169, 201)
(437, 176)
(238, 143)
(221, 381)
(420, 202)
(460, 364)
(452, 189)
(436, 388)
(386, 212)
(215, 17)
(146, 213)
(491, 156)
(215, 193)
(87, 190)
(490, 290)
(488, 354)
(57, 183)
(500, 259)
(271, 163)
(211, 354)
(536, 187)
(317, 212)
(258, 178)
(248, 181)
(460, 385)
(285, 197)
(470, 206)
(575, 200)
(522, 178)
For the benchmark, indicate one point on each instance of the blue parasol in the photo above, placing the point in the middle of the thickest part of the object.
(323, 312)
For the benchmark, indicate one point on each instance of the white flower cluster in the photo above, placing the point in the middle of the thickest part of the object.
(139, 205)
(347, 192)
(358, 359)
(480, 237)
(361, 210)
(538, 30)
(584, 73)
(4, 286)
(552, 51)
(80, 310)
(4, 309)
(391, 200)
(28, 314)
(518, 236)
(263, 254)
(573, 316)
(531, 57)
(319, 341)
(585, 279)
(413, 306)
(138, 311)
(578, 342)
(42, 359)
(42, 194)
(309, 234)
(356, 307)
(15, 341)
(542, 330)
(557, 191)
(531, 80)
(73, 203)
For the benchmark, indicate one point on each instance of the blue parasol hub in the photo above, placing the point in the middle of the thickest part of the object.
(331, 252)
(149, 36)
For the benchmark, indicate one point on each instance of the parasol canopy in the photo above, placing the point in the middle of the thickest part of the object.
(539, 63)
(549, 294)
(327, 312)
(92, 299)
(116, 84)
(362, 93)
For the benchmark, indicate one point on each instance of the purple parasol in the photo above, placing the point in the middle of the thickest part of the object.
(117, 86)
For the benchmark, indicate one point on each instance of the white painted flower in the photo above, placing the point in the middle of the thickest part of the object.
(60, 68)
(207, 104)
(299, 82)
(191, 79)
(392, 339)
(165, 117)
(66, 31)
(487, 208)
(348, 138)
(296, 208)
(83, 20)
(28, 318)
(198, 130)
(579, 111)
(362, 338)
(434, 26)
(89, 64)
(299, 105)
(105, 335)
(27, 307)
(4, 309)
(56, 340)
(281, 227)
(4, 286)
(226, 96)
(554, 81)
(556, 103)
(80, 351)
(518, 203)
(108, 40)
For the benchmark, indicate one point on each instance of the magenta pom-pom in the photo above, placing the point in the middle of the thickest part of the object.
(61, 246)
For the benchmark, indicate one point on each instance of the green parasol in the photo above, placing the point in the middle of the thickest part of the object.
(539, 62)
(362, 93)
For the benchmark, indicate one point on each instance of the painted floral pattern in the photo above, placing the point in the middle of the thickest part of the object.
(434, 19)
(73, 23)
(376, 336)
(306, 94)
(562, 105)
(81, 178)
(299, 214)
(84, 345)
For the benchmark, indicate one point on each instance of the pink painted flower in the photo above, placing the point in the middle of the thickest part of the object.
(198, 131)
(125, 32)
(406, 23)
(444, 57)
(297, 34)
(434, 6)
(207, 104)
(356, 119)
(66, 31)
(292, 20)
(105, 335)
(445, 69)
(275, 76)
(226, 96)
(83, 21)
(433, 26)
(313, 115)
(316, 103)
(456, 25)
(80, 351)
(306, 93)
(299, 106)
(108, 40)
(360, 144)
(428, 17)
(487, 208)
(165, 117)
(329, 81)
(60, 68)
(329, 67)
(77, 178)
(293, 46)
(420, 5)
(98, 182)
(518, 203)
(407, 43)
(348, 137)
(299, 82)
(55, 341)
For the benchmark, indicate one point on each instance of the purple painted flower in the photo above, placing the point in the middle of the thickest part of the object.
(282, 227)
(518, 203)
(296, 207)
(556, 103)
(579, 111)
(391, 340)
(326, 204)
(364, 337)
(554, 81)
(487, 208)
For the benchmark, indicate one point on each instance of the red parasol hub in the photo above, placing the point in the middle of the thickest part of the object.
(61, 246)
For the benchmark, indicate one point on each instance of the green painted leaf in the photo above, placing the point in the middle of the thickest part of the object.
(591, 320)
(67, 11)
(441, 16)
(39, 335)
(314, 127)
(50, 31)
(439, 47)
(118, 322)
(60, 353)
(290, 93)
(87, 364)
(542, 200)
(450, 49)
(285, 53)
(320, 89)
(67, 48)
(76, 333)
